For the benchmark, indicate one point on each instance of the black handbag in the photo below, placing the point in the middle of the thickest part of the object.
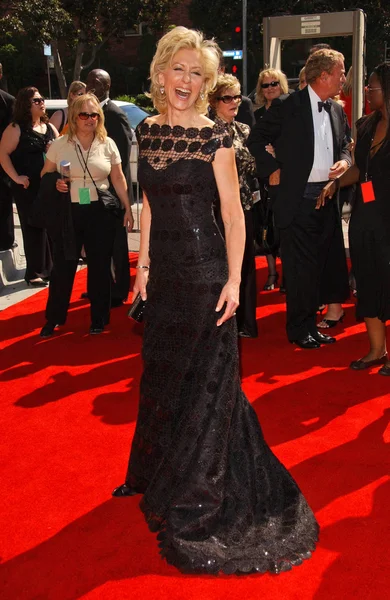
(136, 310)
(266, 233)
(109, 200)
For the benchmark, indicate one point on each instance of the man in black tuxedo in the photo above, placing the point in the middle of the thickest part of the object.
(307, 131)
(7, 235)
(118, 128)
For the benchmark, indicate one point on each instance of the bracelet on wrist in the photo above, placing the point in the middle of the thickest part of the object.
(142, 267)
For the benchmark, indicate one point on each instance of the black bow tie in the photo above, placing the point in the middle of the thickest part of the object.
(324, 105)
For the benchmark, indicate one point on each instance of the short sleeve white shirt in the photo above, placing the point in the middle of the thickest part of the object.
(101, 157)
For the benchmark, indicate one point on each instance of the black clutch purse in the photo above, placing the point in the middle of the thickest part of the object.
(136, 310)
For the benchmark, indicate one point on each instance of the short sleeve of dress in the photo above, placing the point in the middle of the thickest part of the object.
(115, 157)
(222, 138)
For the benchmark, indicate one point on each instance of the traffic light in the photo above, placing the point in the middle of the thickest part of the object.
(237, 38)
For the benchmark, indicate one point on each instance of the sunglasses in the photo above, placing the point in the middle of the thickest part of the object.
(228, 99)
(371, 89)
(37, 100)
(272, 84)
(84, 116)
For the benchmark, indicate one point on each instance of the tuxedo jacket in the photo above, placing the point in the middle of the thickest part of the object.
(288, 126)
(245, 112)
(6, 107)
(118, 128)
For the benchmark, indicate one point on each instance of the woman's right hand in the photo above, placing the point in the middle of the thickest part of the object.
(141, 279)
(327, 192)
(23, 180)
(62, 186)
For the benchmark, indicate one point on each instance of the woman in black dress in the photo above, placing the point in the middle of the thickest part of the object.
(22, 155)
(225, 100)
(369, 230)
(218, 496)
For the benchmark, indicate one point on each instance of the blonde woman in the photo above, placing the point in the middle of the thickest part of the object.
(271, 84)
(60, 118)
(219, 497)
(93, 157)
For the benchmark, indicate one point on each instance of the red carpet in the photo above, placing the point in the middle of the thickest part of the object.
(68, 406)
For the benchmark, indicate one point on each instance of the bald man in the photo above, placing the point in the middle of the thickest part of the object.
(118, 128)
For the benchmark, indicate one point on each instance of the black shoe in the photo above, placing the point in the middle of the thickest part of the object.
(307, 343)
(96, 328)
(323, 339)
(272, 280)
(123, 490)
(48, 330)
(84, 296)
(360, 365)
(37, 282)
(115, 302)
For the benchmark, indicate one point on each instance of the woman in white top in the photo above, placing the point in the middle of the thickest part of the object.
(93, 158)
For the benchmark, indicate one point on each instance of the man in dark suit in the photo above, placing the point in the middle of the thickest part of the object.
(7, 235)
(246, 113)
(307, 131)
(118, 128)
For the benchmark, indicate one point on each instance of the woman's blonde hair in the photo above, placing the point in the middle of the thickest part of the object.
(275, 74)
(75, 87)
(173, 41)
(77, 107)
(320, 61)
(224, 82)
(347, 87)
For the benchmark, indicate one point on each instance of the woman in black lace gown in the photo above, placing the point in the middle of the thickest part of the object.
(217, 495)
(369, 230)
(22, 155)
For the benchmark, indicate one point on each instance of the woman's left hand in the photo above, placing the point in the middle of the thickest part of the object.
(128, 220)
(229, 295)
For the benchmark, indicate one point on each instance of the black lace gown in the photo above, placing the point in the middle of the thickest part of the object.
(218, 496)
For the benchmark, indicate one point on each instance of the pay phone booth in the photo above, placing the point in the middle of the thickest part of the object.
(276, 29)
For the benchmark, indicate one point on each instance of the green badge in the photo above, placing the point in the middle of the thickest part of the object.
(84, 196)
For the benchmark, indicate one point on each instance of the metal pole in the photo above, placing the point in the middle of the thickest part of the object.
(48, 75)
(244, 48)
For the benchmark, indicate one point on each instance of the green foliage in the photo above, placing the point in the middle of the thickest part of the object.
(141, 100)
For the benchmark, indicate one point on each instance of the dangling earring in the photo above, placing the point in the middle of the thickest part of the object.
(201, 95)
(162, 90)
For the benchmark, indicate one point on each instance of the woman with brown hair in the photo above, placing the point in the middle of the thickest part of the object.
(225, 100)
(60, 118)
(22, 149)
(93, 157)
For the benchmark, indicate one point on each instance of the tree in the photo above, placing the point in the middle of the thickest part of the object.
(80, 27)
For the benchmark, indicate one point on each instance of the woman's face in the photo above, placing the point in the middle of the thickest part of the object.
(227, 111)
(75, 95)
(183, 80)
(271, 91)
(87, 124)
(374, 93)
(38, 108)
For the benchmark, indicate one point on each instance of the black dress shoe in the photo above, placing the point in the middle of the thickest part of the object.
(124, 490)
(96, 328)
(360, 365)
(84, 296)
(322, 338)
(307, 342)
(48, 330)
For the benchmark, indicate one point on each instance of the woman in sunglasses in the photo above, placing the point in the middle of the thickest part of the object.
(93, 158)
(225, 100)
(271, 84)
(22, 151)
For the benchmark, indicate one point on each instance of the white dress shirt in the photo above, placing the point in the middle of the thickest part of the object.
(323, 141)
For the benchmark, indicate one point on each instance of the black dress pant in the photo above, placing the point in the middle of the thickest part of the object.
(35, 239)
(7, 235)
(246, 311)
(305, 245)
(120, 283)
(95, 229)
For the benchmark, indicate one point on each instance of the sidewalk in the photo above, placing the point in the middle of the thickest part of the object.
(13, 288)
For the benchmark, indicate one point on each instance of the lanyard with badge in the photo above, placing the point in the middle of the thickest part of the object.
(367, 187)
(84, 192)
